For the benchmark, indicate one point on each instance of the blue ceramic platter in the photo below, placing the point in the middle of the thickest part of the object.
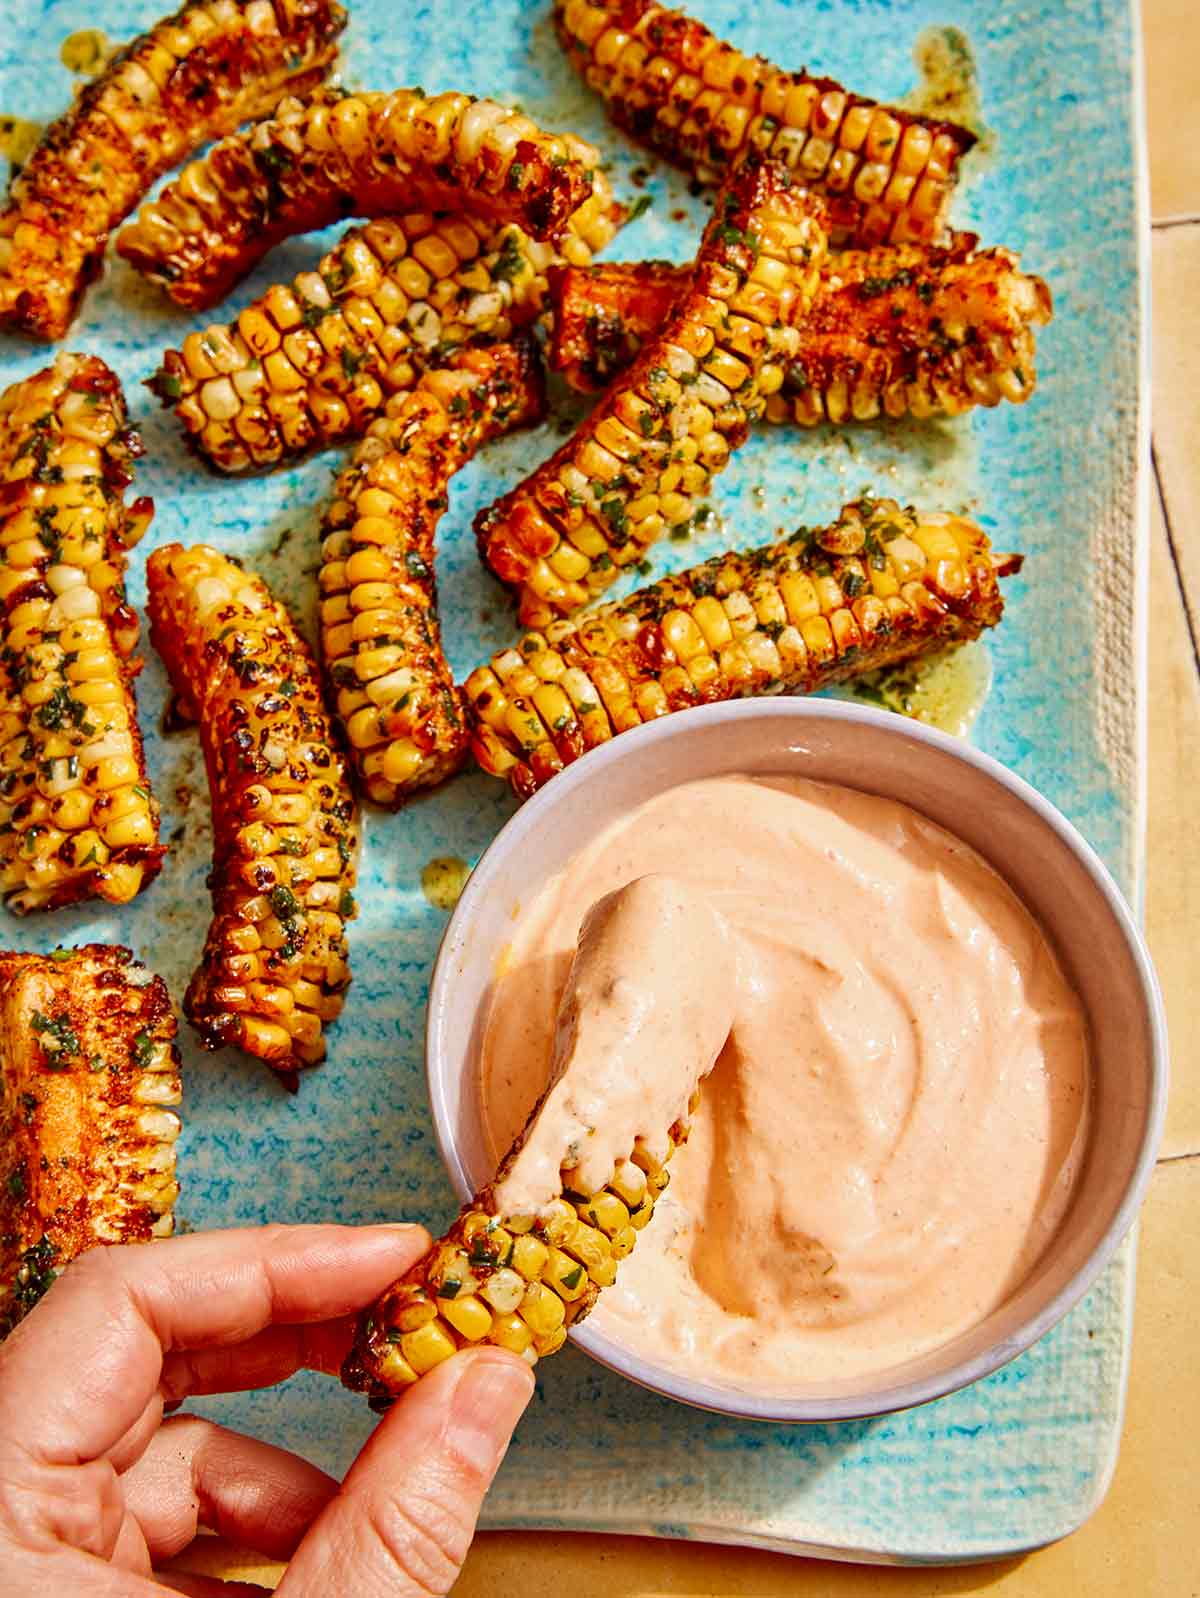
(1026, 1455)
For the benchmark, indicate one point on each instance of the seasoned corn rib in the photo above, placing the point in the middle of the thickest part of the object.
(887, 174)
(896, 330)
(637, 464)
(336, 155)
(193, 77)
(391, 686)
(77, 818)
(88, 1075)
(517, 1281)
(310, 364)
(880, 585)
(274, 971)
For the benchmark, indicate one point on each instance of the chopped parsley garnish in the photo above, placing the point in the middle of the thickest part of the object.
(284, 903)
(58, 1038)
(509, 262)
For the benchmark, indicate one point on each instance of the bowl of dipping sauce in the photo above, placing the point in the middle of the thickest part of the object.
(939, 1108)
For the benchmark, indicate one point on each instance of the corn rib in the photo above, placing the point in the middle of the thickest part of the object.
(77, 818)
(881, 585)
(897, 330)
(336, 155)
(89, 1075)
(312, 363)
(636, 467)
(274, 970)
(392, 689)
(516, 1281)
(887, 174)
(194, 76)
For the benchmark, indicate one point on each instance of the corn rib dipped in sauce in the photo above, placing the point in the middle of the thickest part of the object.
(646, 1008)
(892, 1133)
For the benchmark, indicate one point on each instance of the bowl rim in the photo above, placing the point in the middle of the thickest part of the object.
(750, 1405)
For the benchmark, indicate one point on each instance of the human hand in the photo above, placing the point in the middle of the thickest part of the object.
(96, 1488)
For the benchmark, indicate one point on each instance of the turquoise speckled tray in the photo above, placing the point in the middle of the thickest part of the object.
(1025, 1456)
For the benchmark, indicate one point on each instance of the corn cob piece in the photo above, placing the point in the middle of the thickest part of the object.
(897, 330)
(518, 1281)
(274, 971)
(335, 155)
(193, 77)
(886, 173)
(392, 688)
(636, 466)
(88, 1077)
(880, 585)
(77, 818)
(310, 364)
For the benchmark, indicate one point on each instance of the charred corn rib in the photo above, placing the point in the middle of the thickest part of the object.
(312, 363)
(393, 691)
(193, 77)
(887, 174)
(335, 155)
(635, 467)
(274, 969)
(88, 1075)
(77, 818)
(880, 585)
(894, 331)
(519, 1281)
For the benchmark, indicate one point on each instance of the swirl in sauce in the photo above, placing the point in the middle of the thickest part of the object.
(892, 1132)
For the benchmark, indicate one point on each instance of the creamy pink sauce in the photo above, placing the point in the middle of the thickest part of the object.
(892, 1132)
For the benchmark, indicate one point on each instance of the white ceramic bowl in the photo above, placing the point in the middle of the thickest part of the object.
(1028, 842)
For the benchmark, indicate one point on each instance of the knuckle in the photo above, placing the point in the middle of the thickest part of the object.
(425, 1536)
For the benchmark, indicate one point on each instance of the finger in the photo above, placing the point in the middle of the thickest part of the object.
(132, 1444)
(270, 1356)
(93, 1349)
(195, 1473)
(405, 1516)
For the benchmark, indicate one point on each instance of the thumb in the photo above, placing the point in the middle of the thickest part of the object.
(405, 1516)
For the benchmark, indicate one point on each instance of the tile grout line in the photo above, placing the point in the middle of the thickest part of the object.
(1174, 553)
(1169, 222)
(1174, 1159)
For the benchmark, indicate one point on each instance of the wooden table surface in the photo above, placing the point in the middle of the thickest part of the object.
(1144, 1541)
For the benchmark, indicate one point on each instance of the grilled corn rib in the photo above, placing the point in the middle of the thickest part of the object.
(880, 585)
(518, 1281)
(636, 465)
(897, 330)
(886, 173)
(312, 363)
(88, 1075)
(193, 77)
(392, 689)
(77, 818)
(336, 155)
(274, 969)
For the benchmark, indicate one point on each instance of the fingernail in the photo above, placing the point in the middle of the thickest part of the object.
(488, 1402)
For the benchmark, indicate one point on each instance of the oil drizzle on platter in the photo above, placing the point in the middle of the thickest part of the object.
(949, 84)
(85, 52)
(946, 690)
(18, 139)
(443, 879)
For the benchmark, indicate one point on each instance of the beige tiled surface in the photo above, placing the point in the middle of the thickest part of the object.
(1144, 1541)
(1173, 875)
(1171, 33)
(1176, 288)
